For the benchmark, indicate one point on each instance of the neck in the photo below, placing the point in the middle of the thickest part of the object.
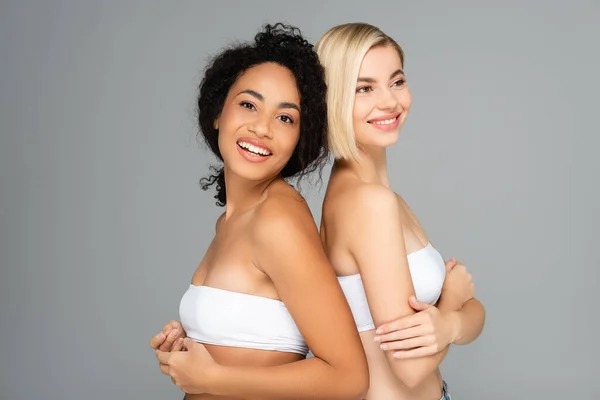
(242, 194)
(371, 166)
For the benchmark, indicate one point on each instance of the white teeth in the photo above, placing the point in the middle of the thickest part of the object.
(385, 122)
(254, 149)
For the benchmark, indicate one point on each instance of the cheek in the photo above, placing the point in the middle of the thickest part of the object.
(361, 111)
(288, 141)
(405, 99)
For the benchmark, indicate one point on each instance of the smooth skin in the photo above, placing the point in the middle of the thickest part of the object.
(412, 338)
(267, 244)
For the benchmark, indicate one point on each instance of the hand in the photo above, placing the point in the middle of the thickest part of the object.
(190, 369)
(418, 335)
(165, 339)
(458, 287)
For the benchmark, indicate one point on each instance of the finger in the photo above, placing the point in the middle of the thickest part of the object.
(157, 340)
(163, 357)
(415, 353)
(178, 345)
(451, 263)
(417, 305)
(403, 334)
(399, 324)
(408, 344)
(164, 368)
(189, 344)
(168, 343)
(174, 324)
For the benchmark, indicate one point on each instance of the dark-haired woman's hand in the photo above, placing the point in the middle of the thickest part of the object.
(165, 339)
(190, 366)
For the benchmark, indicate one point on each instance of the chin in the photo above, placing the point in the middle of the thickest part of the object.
(387, 140)
(250, 171)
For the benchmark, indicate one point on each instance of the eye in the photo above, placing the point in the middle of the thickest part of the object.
(247, 105)
(399, 82)
(364, 89)
(287, 119)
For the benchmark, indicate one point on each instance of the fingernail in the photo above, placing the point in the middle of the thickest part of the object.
(383, 346)
(377, 338)
(160, 336)
(379, 330)
(396, 355)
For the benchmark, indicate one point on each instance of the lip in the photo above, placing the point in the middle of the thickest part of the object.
(255, 158)
(387, 127)
(383, 118)
(254, 142)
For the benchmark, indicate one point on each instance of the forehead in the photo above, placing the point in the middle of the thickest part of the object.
(380, 61)
(273, 81)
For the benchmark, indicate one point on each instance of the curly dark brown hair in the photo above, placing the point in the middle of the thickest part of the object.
(284, 45)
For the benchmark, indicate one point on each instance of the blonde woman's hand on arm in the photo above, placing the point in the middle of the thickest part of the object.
(433, 329)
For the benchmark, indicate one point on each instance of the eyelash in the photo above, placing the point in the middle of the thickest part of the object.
(245, 104)
(398, 83)
(251, 106)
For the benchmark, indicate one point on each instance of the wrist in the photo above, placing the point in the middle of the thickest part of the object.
(445, 304)
(216, 378)
(454, 324)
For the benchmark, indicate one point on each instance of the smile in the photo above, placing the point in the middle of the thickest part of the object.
(387, 122)
(256, 150)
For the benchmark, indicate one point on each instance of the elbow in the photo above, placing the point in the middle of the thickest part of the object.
(361, 386)
(411, 378)
(355, 384)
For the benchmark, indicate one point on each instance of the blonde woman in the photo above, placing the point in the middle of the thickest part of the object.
(408, 305)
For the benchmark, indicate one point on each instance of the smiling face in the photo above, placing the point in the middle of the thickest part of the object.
(382, 99)
(259, 125)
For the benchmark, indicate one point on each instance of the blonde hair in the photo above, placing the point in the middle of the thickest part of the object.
(341, 51)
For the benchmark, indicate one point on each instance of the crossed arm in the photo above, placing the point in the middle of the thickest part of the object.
(381, 256)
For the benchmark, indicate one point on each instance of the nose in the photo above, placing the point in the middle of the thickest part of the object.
(387, 101)
(261, 127)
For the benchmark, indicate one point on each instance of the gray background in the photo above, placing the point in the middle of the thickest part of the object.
(103, 222)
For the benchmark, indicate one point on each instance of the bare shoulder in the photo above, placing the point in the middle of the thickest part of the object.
(367, 200)
(282, 217)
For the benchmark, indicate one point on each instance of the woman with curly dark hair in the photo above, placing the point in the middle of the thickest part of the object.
(264, 292)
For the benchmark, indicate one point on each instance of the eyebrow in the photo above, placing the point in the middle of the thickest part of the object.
(371, 80)
(260, 97)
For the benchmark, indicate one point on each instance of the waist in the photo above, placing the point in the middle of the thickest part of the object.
(242, 357)
(385, 385)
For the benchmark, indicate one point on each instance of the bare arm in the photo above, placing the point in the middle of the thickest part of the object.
(381, 256)
(289, 251)
(469, 322)
(466, 314)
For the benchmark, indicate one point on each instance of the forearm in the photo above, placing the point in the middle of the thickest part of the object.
(420, 368)
(412, 372)
(469, 321)
(307, 379)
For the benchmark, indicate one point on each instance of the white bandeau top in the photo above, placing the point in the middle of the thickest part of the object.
(221, 317)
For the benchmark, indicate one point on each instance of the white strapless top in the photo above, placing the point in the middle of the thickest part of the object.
(222, 317)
